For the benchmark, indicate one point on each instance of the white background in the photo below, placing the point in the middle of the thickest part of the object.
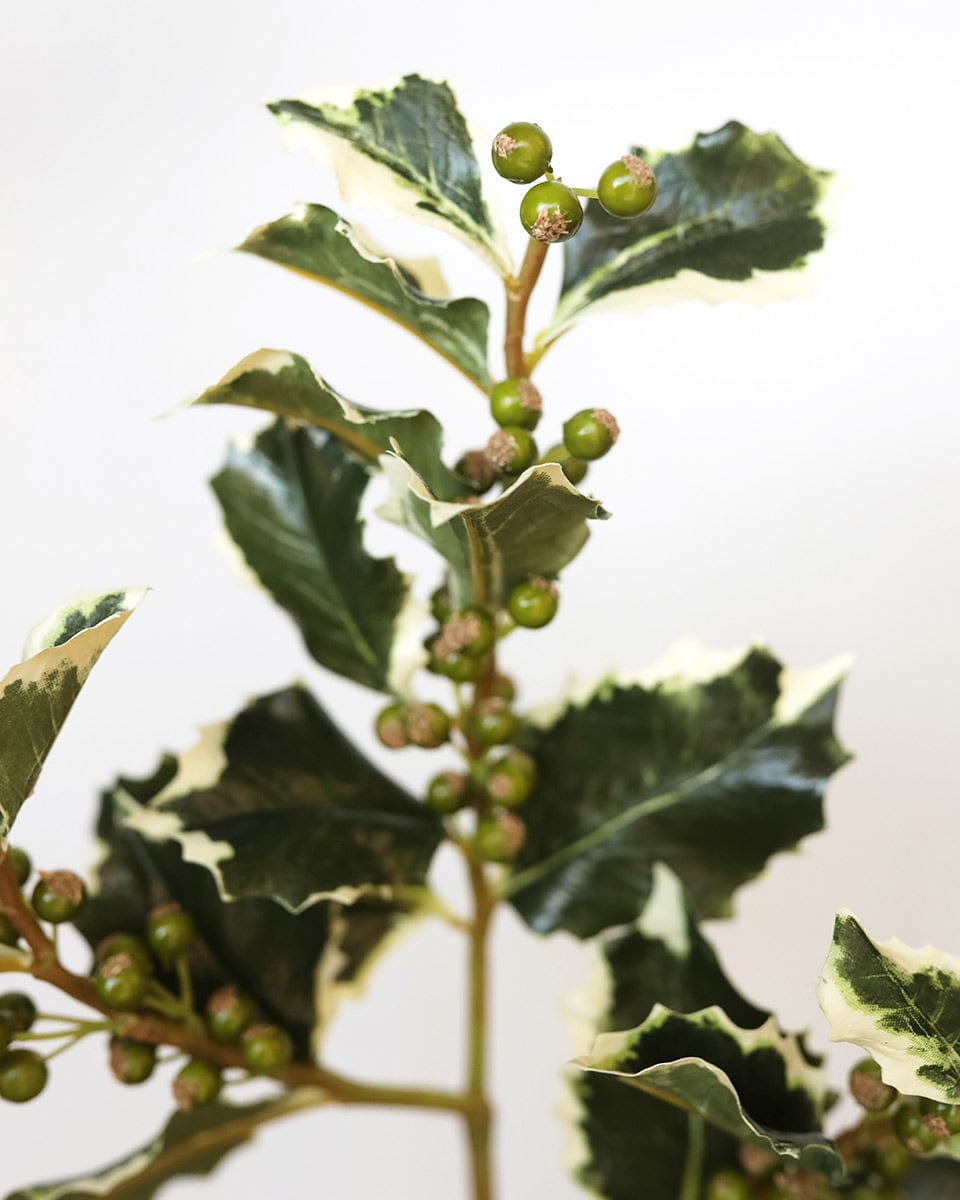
(787, 472)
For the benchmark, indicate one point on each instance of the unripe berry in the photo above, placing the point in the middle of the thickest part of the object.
(942, 1118)
(867, 1087)
(131, 1062)
(198, 1083)
(391, 726)
(502, 686)
(516, 402)
(21, 864)
(6, 1034)
(574, 468)
(440, 604)
(428, 726)
(57, 896)
(229, 1012)
(120, 983)
(551, 212)
(8, 931)
(534, 604)
(23, 1076)
(459, 666)
(479, 470)
(590, 433)
(912, 1130)
(729, 1185)
(492, 722)
(266, 1048)
(170, 932)
(125, 943)
(498, 839)
(511, 450)
(18, 1010)
(511, 779)
(447, 793)
(627, 188)
(470, 631)
(521, 152)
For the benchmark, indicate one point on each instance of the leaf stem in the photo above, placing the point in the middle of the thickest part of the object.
(519, 289)
(691, 1183)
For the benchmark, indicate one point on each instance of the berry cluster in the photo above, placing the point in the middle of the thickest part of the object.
(550, 211)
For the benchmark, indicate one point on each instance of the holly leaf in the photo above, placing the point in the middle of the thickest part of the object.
(732, 205)
(191, 1144)
(37, 694)
(291, 503)
(535, 527)
(278, 804)
(901, 1005)
(315, 241)
(411, 136)
(286, 385)
(931, 1179)
(710, 774)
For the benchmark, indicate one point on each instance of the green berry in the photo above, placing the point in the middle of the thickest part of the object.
(729, 1185)
(8, 931)
(521, 152)
(131, 1061)
(6, 1034)
(459, 666)
(574, 468)
(511, 450)
(511, 779)
(912, 1130)
(590, 433)
(170, 932)
(18, 1010)
(516, 402)
(196, 1084)
(20, 861)
(391, 726)
(867, 1086)
(120, 983)
(428, 726)
(891, 1160)
(229, 1012)
(502, 686)
(533, 604)
(266, 1048)
(440, 604)
(447, 793)
(57, 896)
(125, 943)
(492, 722)
(627, 188)
(23, 1076)
(942, 1118)
(475, 467)
(498, 839)
(551, 212)
(469, 631)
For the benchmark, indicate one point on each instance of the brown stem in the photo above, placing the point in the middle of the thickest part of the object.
(519, 289)
(478, 1116)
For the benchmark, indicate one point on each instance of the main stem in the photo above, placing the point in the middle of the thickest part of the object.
(478, 1112)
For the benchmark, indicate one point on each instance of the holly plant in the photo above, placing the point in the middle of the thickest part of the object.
(246, 888)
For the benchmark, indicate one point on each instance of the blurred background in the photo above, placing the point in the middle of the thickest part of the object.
(787, 473)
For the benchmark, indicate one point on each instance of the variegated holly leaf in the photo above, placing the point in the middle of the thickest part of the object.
(535, 527)
(732, 205)
(286, 385)
(38, 693)
(191, 1144)
(296, 968)
(291, 503)
(278, 804)
(710, 774)
(315, 241)
(754, 1085)
(901, 1005)
(411, 136)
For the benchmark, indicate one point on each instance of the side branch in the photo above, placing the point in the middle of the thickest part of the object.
(519, 290)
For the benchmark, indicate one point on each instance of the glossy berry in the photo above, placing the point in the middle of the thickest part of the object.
(867, 1087)
(20, 861)
(447, 793)
(266, 1048)
(498, 839)
(470, 631)
(428, 726)
(942, 1118)
(131, 1061)
(729, 1185)
(8, 932)
(492, 722)
(516, 402)
(120, 983)
(18, 1010)
(511, 450)
(551, 212)
(170, 932)
(23, 1076)
(590, 433)
(533, 604)
(391, 726)
(229, 1012)
(912, 1130)
(511, 779)
(627, 188)
(58, 896)
(125, 943)
(574, 468)
(521, 152)
(459, 666)
(196, 1084)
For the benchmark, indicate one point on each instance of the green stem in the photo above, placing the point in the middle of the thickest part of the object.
(587, 193)
(478, 1115)
(693, 1169)
(185, 983)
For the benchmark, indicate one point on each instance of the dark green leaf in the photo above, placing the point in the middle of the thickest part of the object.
(37, 695)
(291, 503)
(733, 203)
(710, 776)
(535, 527)
(316, 242)
(279, 804)
(285, 385)
(417, 133)
(901, 1005)
(931, 1179)
(190, 1144)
